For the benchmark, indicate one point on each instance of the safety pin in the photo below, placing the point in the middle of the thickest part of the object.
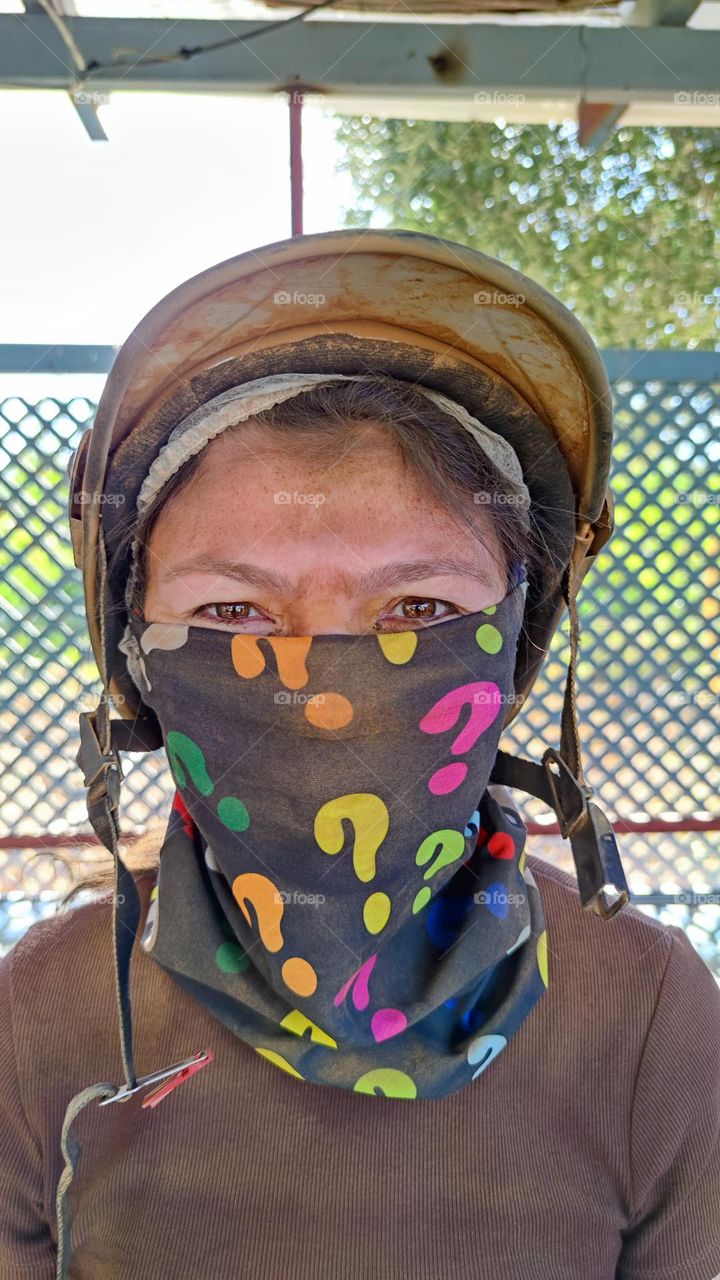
(173, 1076)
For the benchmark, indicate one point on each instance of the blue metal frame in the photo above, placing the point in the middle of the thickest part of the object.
(367, 60)
(640, 366)
(662, 366)
(37, 358)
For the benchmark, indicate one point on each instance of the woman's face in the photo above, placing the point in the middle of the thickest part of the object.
(270, 541)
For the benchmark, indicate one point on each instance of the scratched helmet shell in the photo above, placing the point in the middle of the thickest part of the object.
(387, 301)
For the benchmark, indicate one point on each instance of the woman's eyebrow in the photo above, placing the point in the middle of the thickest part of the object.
(242, 570)
(412, 570)
(386, 576)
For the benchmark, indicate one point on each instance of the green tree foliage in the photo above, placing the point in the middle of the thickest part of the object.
(626, 236)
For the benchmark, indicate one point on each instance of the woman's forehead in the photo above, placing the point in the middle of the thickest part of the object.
(366, 514)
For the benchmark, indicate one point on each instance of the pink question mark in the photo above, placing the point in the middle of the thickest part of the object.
(484, 700)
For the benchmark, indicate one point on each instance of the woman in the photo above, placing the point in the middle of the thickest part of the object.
(337, 494)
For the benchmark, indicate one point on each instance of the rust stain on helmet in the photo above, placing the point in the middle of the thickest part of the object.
(404, 302)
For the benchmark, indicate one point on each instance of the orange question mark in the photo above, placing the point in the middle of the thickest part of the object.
(325, 710)
(265, 899)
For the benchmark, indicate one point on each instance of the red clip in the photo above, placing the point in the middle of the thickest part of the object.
(201, 1060)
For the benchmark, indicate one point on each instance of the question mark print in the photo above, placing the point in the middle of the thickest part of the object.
(230, 957)
(501, 845)
(233, 813)
(521, 938)
(323, 710)
(359, 982)
(444, 921)
(268, 905)
(386, 1082)
(488, 638)
(290, 655)
(370, 818)
(298, 1024)
(165, 636)
(542, 956)
(386, 1023)
(179, 806)
(186, 759)
(329, 710)
(147, 942)
(483, 1050)
(267, 901)
(399, 646)
(452, 847)
(279, 1061)
(484, 700)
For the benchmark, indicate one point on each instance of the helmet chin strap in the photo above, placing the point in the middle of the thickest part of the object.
(558, 781)
(100, 762)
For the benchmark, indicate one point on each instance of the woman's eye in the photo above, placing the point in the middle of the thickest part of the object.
(417, 609)
(239, 612)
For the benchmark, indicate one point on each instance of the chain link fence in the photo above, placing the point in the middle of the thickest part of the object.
(648, 677)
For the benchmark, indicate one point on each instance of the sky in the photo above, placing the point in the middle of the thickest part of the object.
(93, 234)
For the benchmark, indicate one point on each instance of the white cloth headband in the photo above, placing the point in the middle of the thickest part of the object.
(242, 402)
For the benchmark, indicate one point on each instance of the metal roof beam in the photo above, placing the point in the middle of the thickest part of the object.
(56, 11)
(365, 60)
(662, 13)
(596, 121)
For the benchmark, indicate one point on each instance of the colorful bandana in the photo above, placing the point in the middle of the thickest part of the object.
(336, 885)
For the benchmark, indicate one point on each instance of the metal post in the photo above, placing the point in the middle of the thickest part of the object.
(295, 102)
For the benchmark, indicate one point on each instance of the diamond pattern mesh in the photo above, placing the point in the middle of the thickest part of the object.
(648, 677)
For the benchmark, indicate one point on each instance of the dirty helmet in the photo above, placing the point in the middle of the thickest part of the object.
(412, 306)
(428, 311)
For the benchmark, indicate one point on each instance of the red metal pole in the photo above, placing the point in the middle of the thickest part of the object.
(621, 825)
(295, 102)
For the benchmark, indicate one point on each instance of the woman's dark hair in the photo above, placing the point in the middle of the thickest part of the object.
(432, 445)
(323, 422)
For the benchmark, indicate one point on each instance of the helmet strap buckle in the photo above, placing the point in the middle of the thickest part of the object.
(569, 794)
(102, 772)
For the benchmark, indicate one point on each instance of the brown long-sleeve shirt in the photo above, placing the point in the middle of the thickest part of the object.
(589, 1151)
